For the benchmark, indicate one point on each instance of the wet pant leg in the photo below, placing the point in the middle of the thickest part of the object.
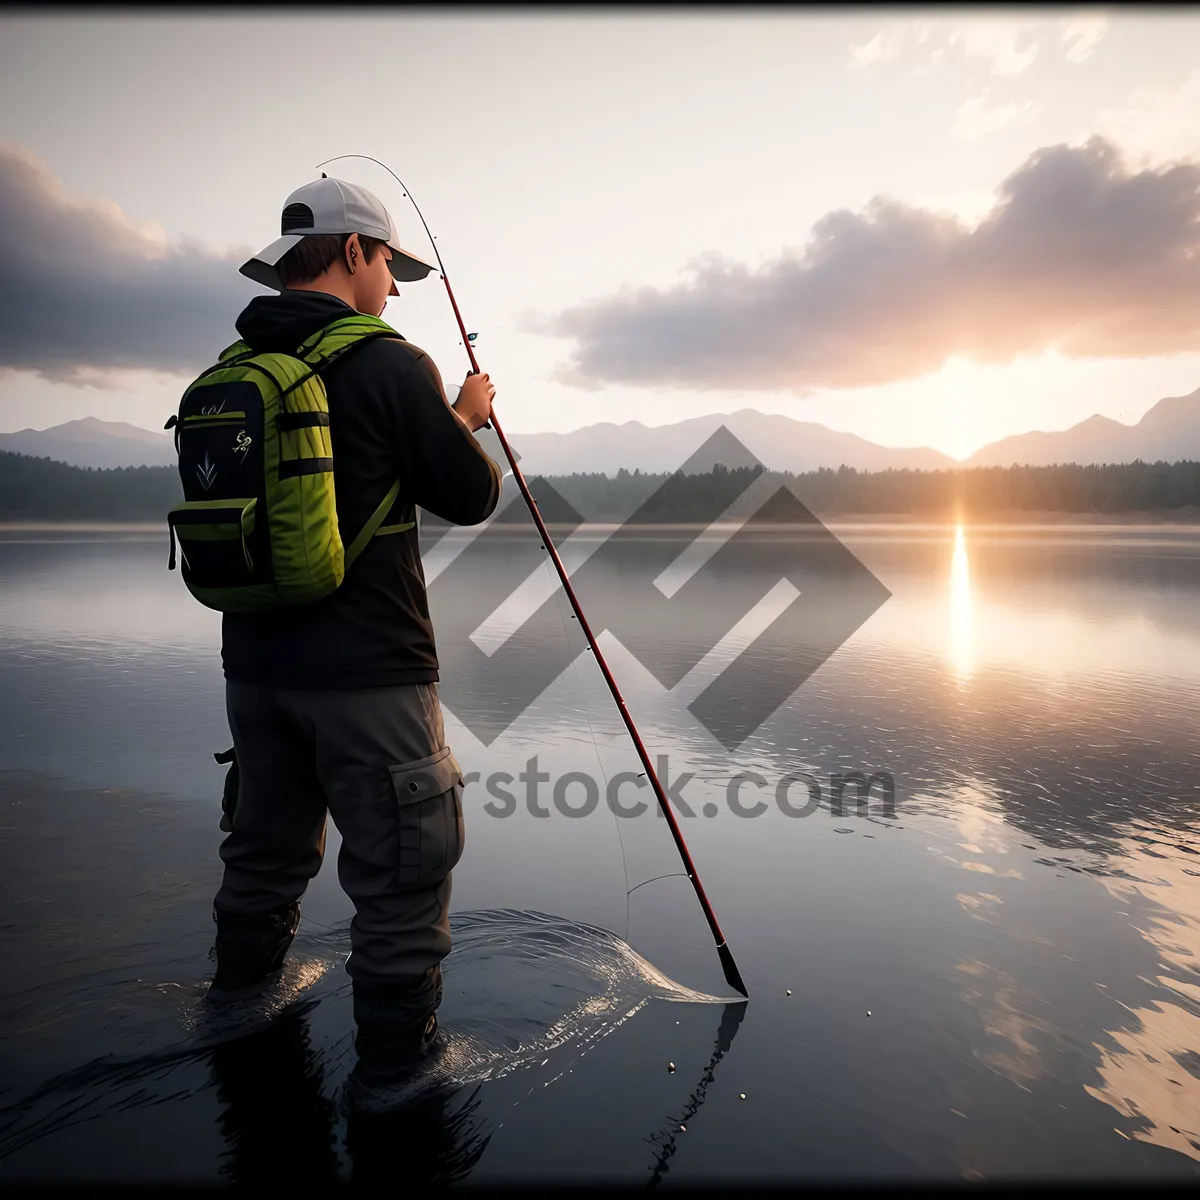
(394, 790)
(276, 842)
(278, 837)
(377, 760)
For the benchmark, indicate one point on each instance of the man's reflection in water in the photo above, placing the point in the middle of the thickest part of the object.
(278, 1126)
(426, 1144)
(281, 1130)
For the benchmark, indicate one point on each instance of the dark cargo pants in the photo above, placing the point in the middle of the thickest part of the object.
(376, 760)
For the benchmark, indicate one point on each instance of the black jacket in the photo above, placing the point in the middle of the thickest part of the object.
(389, 418)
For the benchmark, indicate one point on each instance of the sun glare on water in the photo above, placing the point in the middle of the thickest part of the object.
(961, 638)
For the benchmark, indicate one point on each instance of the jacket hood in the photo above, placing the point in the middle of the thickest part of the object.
(279, 323)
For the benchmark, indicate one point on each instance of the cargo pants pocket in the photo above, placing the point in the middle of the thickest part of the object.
(431, 834)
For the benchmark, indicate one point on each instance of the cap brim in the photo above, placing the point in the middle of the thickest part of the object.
(405, 267)
(261, 268)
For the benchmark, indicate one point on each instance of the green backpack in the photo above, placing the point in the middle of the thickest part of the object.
(258, 528)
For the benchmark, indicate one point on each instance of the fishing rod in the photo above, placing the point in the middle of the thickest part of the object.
(732, 974)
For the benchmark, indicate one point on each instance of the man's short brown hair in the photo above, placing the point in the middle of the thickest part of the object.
(316, 253)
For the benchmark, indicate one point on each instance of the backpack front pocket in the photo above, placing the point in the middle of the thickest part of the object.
(214, 541)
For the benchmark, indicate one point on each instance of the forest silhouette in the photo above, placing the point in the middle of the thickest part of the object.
(39, 489)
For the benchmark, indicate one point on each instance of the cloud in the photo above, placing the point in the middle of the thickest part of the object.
(1081, 35)
(885, 45)
(997, 42)
(979, 116)
(83, 290)
(969, 207)
(1161, 122)
(1005, 45)
(1079, 255)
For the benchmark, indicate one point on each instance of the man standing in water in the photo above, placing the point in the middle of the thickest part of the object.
(334, 705)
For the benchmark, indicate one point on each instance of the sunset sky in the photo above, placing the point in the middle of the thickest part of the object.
(934, 229)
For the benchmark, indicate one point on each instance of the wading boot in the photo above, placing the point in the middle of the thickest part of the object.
(391, 1042)
(250, 952)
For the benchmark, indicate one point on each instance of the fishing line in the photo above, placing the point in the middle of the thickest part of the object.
(655, 879)
(587, 712)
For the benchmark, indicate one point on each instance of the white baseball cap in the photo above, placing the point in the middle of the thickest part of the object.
(334, 206)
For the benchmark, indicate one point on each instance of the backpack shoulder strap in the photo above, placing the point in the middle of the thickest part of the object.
(326, 346)
(231, 356)
(340, 336)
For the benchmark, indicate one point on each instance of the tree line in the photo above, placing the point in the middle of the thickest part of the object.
(41, 489)
(829, 492)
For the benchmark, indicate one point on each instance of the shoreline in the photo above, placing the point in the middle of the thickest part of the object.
(1166, 518)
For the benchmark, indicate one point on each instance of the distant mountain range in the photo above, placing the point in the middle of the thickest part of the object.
(91, 442)
(1170, 431)
(778, 442)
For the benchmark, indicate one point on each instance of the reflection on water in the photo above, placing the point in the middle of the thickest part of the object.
(666, 1141)
(960, 607)
(1150, 1072)
(998, 980)
(529, 991)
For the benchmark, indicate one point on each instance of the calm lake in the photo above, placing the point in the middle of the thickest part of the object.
(992, 975)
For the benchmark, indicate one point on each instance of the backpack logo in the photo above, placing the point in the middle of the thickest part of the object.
(243, 443)
(207, 473)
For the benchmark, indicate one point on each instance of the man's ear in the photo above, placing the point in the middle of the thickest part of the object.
(352, 253)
